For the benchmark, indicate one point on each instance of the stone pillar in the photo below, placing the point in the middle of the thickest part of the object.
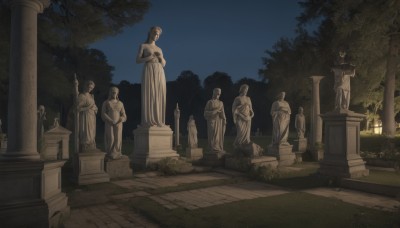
(316, 121)
(342, 145)
(177, 114)
(22, 141)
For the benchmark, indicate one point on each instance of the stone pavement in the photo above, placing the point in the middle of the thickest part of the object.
(114, 213)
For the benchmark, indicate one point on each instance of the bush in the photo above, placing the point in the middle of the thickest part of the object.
(264, 173)
(171, 166)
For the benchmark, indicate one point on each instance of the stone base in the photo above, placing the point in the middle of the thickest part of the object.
(346, 169)
(151, 144)
(30, 194)
(89, 168)
(317, 154)
(249, 150)
(214, 158)
(300, 145)
(283, 154)
(194, 153)
(342, 145)
(299, 157)
(118, 168)
(244, 164)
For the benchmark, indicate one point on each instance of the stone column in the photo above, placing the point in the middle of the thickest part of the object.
(22, 105)
(316, 121)
(177, 114)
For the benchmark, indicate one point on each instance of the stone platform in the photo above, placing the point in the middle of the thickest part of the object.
(118, 168)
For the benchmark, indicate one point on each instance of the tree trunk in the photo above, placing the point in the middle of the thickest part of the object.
(388, 125)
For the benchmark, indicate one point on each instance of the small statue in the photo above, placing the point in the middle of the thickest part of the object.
(41, 113)
(300, 123)
(214, 113)
(192, 133)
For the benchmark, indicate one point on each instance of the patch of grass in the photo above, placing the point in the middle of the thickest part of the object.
(287, 210)
(382, 177)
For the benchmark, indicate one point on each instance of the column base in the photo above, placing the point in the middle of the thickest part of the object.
(345, 169)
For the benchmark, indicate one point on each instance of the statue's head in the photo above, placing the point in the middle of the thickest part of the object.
(113, 93)
(301, 110)
(41, 109)
(216, 93)
(154, 33)
(89, 86)
(244, 88)
(281, 95)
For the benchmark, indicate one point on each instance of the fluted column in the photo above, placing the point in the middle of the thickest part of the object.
(22, 105)
(316, 121)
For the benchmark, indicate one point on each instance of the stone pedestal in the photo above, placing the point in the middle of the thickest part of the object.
(55, 144)
(30, 194)
(89, 168)
(118, 168)
(151, 144)
(213, 158)
(300, 145)
(342, 145)
(283, 154)
(194, 153)
(244, 164)
(56, 200)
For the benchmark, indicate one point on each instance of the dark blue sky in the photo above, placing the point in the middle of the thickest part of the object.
(205, 36)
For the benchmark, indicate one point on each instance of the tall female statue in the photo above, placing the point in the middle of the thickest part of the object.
(280, 112)
(153, 80)
(242, 113)
(216, 122)
(87, 109)
(113, 115)
(192, 132)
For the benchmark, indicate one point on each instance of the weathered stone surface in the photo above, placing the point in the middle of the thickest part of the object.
(118, 168)
(244, 164)
(283, 154)
(89, 168)
(194, 153)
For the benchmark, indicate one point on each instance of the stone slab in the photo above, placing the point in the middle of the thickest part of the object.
(213, 158)
(89, 168)
(283, 154)
(300, 145)
(194, 153)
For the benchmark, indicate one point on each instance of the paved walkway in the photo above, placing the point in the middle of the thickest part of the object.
(113, 213)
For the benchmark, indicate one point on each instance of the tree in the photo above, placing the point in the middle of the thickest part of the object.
(372, 31)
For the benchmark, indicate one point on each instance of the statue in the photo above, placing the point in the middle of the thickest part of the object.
(192, 133)
(216, 122)
(300, 123)
(87, 110)
(280, 112)
(113, 115)
(342, 73)
(41, 113)
(242, 112)
(153, 80)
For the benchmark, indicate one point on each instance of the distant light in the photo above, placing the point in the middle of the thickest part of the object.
(378, 127)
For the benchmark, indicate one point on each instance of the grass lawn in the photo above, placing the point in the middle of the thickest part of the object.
(382, 177)
(288, 210)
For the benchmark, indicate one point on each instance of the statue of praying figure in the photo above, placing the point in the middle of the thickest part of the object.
(192, 133)
(342, 71)
(113, 115)
(300, 123)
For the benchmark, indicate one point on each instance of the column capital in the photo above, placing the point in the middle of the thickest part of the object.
(38, 5)
(316, 79)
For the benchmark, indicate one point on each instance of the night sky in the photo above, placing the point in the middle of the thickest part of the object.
(205, 36)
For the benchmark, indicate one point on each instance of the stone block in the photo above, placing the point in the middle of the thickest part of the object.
(213, 158)
(342, 145)
(283, 154)
(55, 144)
(300, 145)
(151, 144)
(89, 168)
(118, 168)
(194, 153)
